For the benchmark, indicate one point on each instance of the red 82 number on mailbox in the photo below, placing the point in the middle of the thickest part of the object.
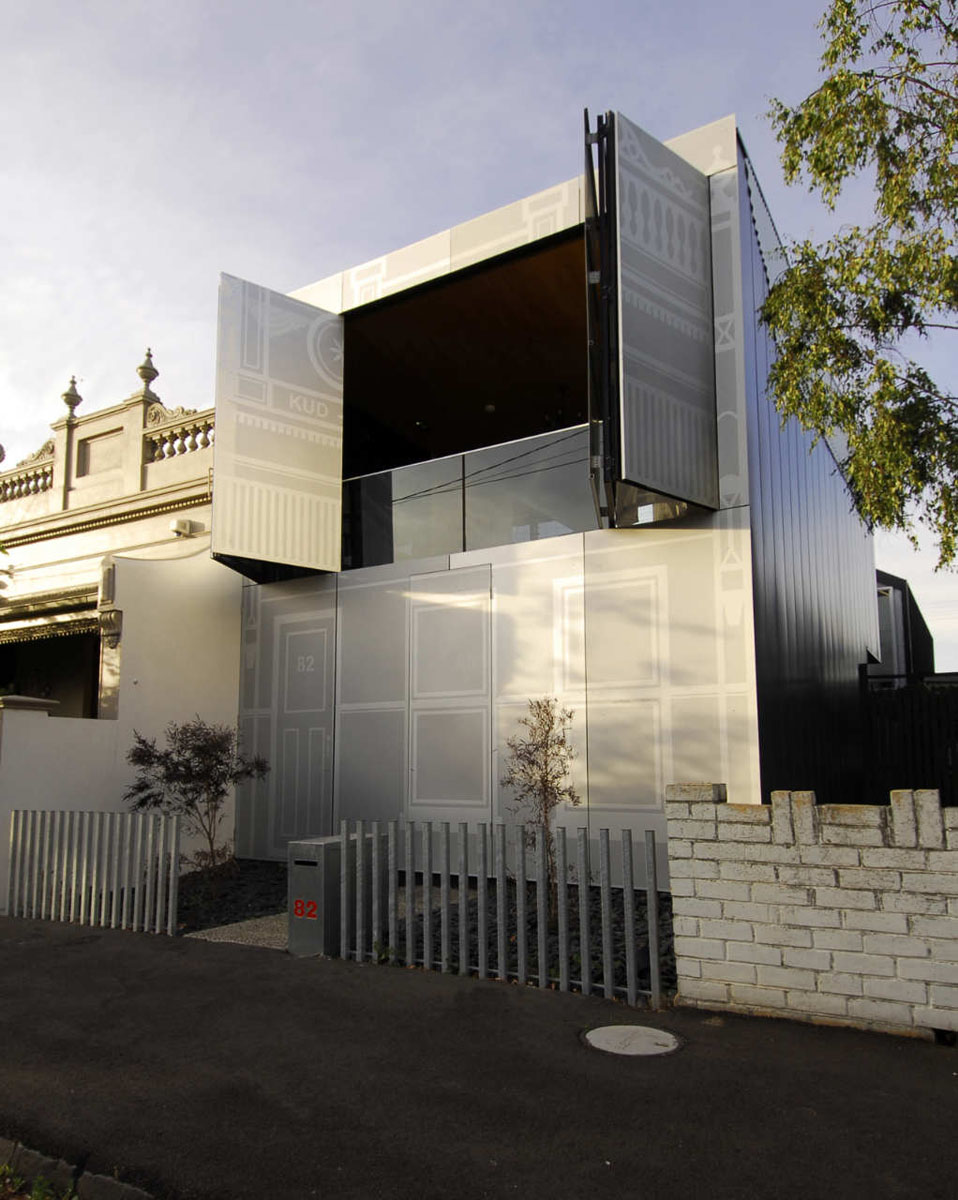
(305, 908)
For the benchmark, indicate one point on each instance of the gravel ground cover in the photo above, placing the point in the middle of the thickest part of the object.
(237, 891)
(618, 928)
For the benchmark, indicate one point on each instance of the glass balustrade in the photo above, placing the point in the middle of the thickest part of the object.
(519, 491)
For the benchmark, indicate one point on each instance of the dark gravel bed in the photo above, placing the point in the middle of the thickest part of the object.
(237, 891)
(249, 888)
(617, 924)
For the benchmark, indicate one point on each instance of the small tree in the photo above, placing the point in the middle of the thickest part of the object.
(191, 777)
(537, 771)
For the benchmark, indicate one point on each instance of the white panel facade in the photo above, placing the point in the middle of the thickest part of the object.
(450, 717)
(645, 634)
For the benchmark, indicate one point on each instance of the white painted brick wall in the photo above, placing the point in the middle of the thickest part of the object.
(839, 911)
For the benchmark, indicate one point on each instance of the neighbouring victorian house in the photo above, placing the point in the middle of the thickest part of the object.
(113, 617)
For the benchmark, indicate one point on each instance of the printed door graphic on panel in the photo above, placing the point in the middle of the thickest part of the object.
(279, 432)
(450, 710)
(303, 661)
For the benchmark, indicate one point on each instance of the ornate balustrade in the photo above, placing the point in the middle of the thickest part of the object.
(182, 434)
(26, 481)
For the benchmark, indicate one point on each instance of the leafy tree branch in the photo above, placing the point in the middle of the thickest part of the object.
(849, 314)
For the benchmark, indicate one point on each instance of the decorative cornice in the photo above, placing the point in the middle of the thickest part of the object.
(83, 595)
(66, 527)
(39, 632)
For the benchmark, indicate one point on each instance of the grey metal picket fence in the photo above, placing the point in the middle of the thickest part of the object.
(476, 901)
(111, 869)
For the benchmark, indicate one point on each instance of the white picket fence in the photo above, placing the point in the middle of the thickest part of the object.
(111, 869)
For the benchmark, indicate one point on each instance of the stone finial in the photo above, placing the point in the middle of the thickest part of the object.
(147, 372)
(71, 397)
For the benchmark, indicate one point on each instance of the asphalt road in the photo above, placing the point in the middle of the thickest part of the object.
(196, 1069)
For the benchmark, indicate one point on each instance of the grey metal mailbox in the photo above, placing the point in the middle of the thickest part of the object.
(316, 920)
(314, 896)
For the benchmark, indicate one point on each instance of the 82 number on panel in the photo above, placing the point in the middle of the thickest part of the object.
(306, 908)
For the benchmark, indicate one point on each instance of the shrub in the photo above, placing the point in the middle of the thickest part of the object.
(191, 777)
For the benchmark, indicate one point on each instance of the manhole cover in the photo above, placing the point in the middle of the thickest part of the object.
(632, 1039)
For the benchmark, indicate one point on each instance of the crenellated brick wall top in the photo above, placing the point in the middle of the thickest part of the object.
(842, 912)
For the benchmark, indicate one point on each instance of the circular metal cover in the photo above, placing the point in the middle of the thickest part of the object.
(632, 1039)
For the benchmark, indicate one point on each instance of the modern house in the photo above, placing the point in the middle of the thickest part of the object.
(534, 455)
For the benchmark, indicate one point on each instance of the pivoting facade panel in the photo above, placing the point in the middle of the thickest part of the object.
(279, 423)
(667, 367)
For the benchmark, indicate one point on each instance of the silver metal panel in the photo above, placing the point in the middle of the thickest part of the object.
(518, 224)
(450, 752)
(303, 660)
(403, 268)
(710, 148)
(538, 650)
(537, 216)
(732, 423)
(667, 380)
(450, 653)
(625, 759)
(279, 420)
(373, 666)
(287, 713)
(668, 636)
(371, 763)
(450, 747)
(372, 678)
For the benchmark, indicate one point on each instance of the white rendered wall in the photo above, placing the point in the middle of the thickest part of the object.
(178, 657)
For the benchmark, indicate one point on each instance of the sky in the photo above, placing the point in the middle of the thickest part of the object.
(148, 147)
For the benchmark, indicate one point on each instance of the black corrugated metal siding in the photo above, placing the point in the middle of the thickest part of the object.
(813, 581)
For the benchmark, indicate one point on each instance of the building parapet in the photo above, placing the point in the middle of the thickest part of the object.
(180, 432)
(111, 455)
(27, 481)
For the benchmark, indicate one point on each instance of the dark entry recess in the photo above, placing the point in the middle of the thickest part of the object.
(64, 668)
